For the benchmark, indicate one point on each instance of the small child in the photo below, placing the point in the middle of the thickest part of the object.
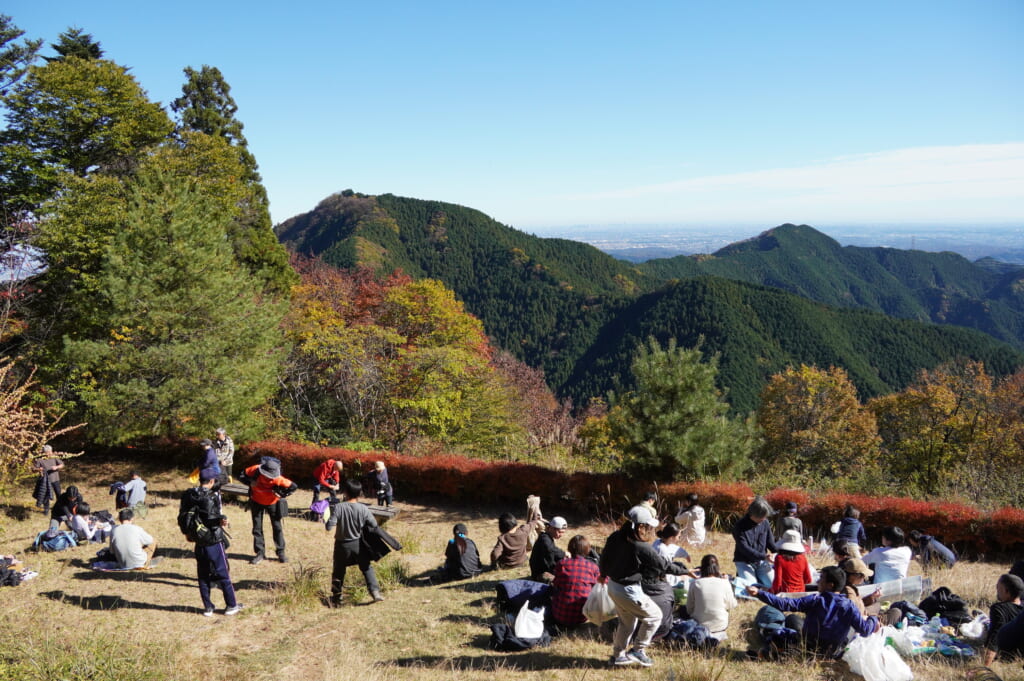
(461, 557)
(792, 571)
(666, 546)
(851, 530)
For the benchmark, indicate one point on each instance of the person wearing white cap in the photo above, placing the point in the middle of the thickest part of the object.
(545, 554)
(792, 571)
(627, 557)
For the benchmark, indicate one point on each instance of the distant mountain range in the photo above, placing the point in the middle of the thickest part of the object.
(788, 296)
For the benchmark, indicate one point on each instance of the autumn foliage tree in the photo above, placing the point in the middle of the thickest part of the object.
(815, 429)
(391, 359)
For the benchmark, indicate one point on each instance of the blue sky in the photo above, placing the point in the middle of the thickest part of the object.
(546, 114)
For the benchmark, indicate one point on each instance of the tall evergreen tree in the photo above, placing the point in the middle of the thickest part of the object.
(675, 423)
(183, 339)
(15, 58)
(75, 42)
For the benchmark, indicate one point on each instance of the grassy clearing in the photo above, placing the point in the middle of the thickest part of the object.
(73, 624)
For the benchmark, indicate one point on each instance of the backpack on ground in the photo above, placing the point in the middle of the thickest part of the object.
(59, 540)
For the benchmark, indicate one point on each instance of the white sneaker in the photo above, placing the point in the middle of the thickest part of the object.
(234, 610)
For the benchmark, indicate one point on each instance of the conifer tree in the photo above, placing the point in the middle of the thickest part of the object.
(675, 423)
(15, 58)
(75, 42)
(183, 340)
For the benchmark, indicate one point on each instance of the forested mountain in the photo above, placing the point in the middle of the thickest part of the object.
(542, 299)
(579, 314)
(944, 288)
(760, 331)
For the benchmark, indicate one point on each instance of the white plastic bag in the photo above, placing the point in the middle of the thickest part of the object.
(975, 629)
(875, 661)
(529, 623)
(599, 606)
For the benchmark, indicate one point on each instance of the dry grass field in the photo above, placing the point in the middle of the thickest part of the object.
(71, 623)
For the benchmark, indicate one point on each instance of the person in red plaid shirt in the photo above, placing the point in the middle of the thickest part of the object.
(575, 576)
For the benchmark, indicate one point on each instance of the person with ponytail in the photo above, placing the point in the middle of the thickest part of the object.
(461, 558)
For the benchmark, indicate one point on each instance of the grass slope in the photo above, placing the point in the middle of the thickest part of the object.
(71, 623)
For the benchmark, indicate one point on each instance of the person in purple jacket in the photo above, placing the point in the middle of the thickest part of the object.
(829, 615)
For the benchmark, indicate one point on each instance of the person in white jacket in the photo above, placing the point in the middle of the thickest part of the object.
(691, 522)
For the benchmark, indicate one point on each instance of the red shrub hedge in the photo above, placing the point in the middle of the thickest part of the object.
(473, 480)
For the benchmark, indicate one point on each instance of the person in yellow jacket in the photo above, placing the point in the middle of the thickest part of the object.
(267, 492)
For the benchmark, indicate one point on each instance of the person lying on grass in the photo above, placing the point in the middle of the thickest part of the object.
(829, 615)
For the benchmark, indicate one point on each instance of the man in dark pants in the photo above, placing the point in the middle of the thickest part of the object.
(545, 554)
(207, 531)
(267, 492)
(353, 519)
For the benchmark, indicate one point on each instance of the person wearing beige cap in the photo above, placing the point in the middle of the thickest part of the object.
(792, 572)
(857, 573)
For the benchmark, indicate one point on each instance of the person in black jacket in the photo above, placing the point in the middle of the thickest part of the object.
(461, 558)
(206, 529)
(354, 520)
(545, 555)
(754, 542)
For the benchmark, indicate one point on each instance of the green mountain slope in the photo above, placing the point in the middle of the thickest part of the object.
(944, 288)
(542, 299)
(578, 313)
(759, 331)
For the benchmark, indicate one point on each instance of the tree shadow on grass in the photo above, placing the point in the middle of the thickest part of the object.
(112, 602)
(526, 661)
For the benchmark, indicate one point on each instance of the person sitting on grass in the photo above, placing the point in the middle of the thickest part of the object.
(575, 576)
(86, 527)
(666, 544)
(841, 551)
(931, 550)
(711, 597)
(792, 571)
(829, 616)
(851, 530)
(510, 549)
(1007, 607)
(546, 554)
(857, 573)
(132, 546)
(891, 560)
(461, 558)
(754, 545)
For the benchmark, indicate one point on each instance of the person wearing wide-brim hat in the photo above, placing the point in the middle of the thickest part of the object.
(857, 573)
(267, 492)
(792, 571)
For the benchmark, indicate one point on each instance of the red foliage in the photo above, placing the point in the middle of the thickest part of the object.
(465, 479)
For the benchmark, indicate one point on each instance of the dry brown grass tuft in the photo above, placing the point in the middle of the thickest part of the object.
(72, 623)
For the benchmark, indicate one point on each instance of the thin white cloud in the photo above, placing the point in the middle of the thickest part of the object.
(949, 182)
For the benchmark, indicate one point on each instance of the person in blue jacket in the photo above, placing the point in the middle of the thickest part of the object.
(829, 615)
(931, 550)
(851, 530)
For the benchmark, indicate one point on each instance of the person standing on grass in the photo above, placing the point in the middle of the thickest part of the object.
(627, 558)
(224, 446)
(267, 492)
(135, 495)
(47, 487)
(207, 464)
(207, 531)
(354, 520)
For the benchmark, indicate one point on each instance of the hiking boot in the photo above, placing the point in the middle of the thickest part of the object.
(234, 609)
(640, 657)
(623, 660)
(208, 612)
(377, 598)
(257, 559)
(281, 557)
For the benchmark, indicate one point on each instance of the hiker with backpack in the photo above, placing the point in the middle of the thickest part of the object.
(267, 492)
(354, 520)
(201, 521)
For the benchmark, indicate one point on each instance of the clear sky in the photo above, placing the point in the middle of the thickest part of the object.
(553, 113)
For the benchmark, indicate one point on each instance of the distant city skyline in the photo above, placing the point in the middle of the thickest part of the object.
(558, 114)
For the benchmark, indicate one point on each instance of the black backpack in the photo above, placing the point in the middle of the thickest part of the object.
(947, 605)
(194, 529)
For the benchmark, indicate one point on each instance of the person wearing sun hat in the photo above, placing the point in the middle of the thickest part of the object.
(857, 573)
(267, 492)
(792, 571)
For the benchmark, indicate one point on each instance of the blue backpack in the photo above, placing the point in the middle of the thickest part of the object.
(48, 540)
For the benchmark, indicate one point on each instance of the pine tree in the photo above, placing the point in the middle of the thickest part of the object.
(75, 42)
(14, 58)
(183, 340)
(675, 423)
